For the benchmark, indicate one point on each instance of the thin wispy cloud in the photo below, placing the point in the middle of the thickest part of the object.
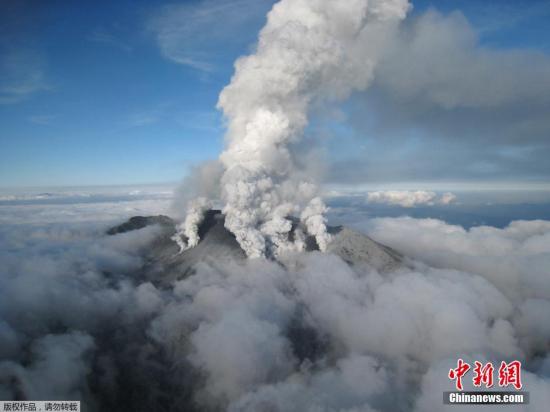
(200, 120)
(22, 75)
(194, 34)
(107, 38)
(42, 119)
(143, 118)
(491, 18)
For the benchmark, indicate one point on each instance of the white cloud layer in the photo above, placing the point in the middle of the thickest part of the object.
(78, 320)
(408, 198)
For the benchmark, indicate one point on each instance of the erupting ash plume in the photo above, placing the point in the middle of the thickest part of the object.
(310, 51)
(190, 227)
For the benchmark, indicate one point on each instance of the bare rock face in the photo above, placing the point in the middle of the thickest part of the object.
(165, 263)
(354, 248)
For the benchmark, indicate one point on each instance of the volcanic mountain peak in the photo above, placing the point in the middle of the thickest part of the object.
(165, 263)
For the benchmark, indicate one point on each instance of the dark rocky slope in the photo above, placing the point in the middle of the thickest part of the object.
(165, 264)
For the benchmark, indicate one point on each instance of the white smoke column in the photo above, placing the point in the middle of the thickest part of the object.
(309, 51)
(313, 218)
(190, 227)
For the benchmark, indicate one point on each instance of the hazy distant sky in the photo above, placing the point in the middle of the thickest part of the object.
(125, 92)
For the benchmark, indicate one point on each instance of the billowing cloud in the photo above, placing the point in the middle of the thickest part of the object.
(449, 68)
(513, 258)
(447, 198)
(78, 320)
(445, 106)
(407, 198)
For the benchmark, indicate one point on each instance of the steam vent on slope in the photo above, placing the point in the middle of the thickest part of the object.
(165, 264)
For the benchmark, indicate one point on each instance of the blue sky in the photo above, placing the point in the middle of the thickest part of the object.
(125, 92)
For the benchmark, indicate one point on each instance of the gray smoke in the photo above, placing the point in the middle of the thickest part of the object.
(309, 51)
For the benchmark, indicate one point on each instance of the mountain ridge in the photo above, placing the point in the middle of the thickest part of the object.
(165, 263)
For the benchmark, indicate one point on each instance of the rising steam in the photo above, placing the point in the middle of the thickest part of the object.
(310, 51)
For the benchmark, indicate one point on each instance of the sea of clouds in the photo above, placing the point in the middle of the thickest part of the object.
(79, 321)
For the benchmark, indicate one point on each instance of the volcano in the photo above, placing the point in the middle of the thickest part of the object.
(165, 264)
